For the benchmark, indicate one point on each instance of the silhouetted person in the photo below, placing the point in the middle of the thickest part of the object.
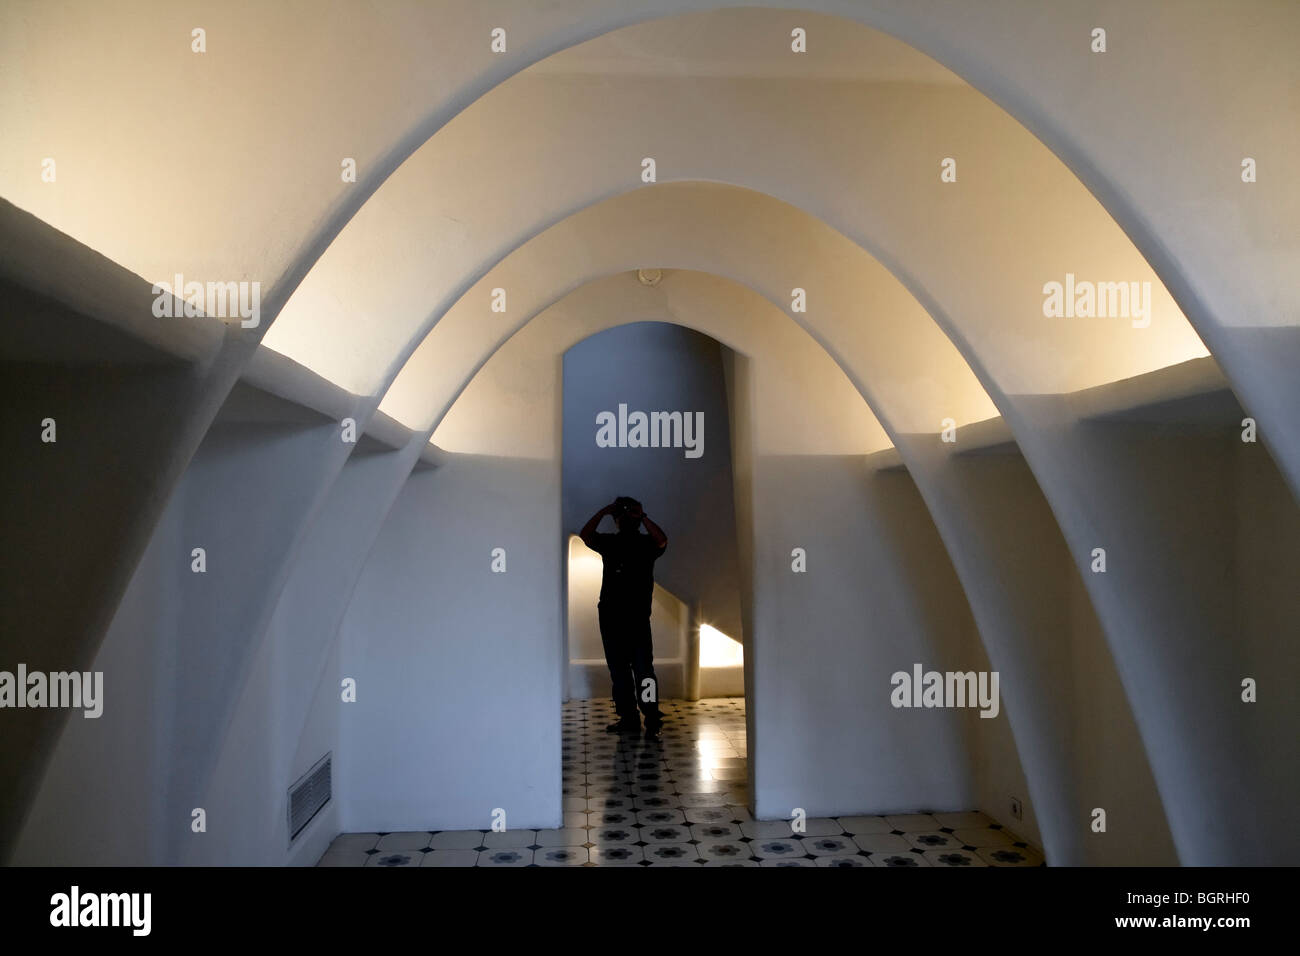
(626, 589)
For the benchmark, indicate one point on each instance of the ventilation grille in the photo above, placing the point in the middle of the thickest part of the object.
(308, 795)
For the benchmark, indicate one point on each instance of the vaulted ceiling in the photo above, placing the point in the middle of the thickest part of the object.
(891, 202)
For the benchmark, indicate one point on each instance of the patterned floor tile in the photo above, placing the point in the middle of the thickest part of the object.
(561, 856)
(933, 841)
(716, 832)
(881, 843)
(839, 861)
(355, 841)
(719, 850)
(862, 825)
(607, 802)
(899, 860)
(682, 800)
(718, 799)
(766, 828)
(822, 826)
(776, 849)
(456, 840)
(983, 837)
(666, 833)
(912, 822)
(963, 821)
(395, 842)
(840, 845)
(1009, 856)
(723, 814)
(345, 857)
(658, 801)
(505, 856)
(660, 816)
(569, 836)
(614, 834)
(612, 818)
(672, 854)
(954, 858)
(509, 839)
(450, 858)
(616, 854)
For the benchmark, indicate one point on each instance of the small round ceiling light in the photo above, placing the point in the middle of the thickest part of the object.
(649, 276)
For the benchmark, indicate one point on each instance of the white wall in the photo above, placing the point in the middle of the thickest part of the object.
(288, 714)
(458, 669)
(825, 644)
(101, 799)
(1074, 727)
(824, 739)
(208, 706)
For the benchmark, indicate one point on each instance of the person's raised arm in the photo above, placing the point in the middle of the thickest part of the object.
(588, 532)
(656, 532)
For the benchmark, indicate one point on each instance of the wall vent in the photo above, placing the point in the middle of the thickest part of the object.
(308, 795)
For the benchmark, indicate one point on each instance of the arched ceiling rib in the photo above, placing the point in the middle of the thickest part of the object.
(1154, 136)
(498, 414)
(861, 311)
(76, 90)
(1157, 136)
(866, 159)
(815, 411)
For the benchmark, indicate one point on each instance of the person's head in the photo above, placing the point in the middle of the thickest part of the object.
(627, 513)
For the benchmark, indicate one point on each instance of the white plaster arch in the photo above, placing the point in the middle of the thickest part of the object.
(740, 318)
(1115, 117)
(998, 342)
(1255, 221)
(865, 318)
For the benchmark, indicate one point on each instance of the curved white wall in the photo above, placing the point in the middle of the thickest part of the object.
(1138, 185)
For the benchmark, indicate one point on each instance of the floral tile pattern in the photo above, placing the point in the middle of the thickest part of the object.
(681, 800)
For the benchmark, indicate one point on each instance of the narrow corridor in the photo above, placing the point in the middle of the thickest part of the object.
(681, 801)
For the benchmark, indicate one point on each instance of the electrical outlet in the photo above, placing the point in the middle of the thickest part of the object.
(1017, 810)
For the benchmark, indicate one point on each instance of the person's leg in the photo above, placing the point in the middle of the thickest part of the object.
(641, 649)
(614, 637)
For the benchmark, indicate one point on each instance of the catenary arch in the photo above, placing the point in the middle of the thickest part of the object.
(1075, 336)
(731, 313)
(1116, 118)
(666, 215)
(741, 233)
(969, 290)
(527, 370)
(462, 201)
(331, 540)
(1044, 51)
(939, 363)
(1011, 620)
(885, 341)
(1055, 221)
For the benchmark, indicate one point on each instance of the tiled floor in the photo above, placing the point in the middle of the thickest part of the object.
(680, 801)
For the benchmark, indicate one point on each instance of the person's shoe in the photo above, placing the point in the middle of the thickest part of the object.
(624, 727)
(652, 726)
